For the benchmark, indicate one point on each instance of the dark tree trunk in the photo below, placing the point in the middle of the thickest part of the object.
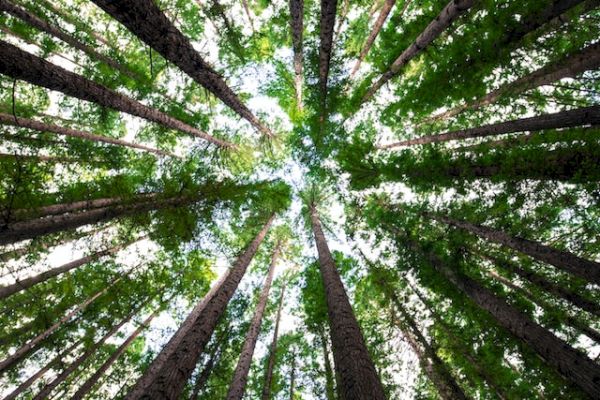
(145, 19)
(19, 64)
(568, 262)
(563, 119)
(569, 67)
(328, 10)
(7, 119)
(168, 377)
(297, 28)
(206, 371)
(359, 378)
(453, 10)
(266, 392)
(293, 377)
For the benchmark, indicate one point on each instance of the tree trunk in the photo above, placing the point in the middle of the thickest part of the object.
(293, 377)
(88, 385)
(569, 362)
(19, 64)
(563, 260)
(568, 67)
(562, 119)
(7, 119)
(247, 10)
(359, 378)
(206, 371)
(297, 28)
(266, 392)
(328, 10)
(145, 19)
(329, 382)
(24, 284)
(168, 377)
(14, 232)
(453, 10)
(73, 366)
(240, 375)
(28, 347)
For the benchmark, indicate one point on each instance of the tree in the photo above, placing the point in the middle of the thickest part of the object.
(297, 28)
(266, 392)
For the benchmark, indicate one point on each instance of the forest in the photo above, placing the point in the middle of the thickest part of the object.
(300, 199)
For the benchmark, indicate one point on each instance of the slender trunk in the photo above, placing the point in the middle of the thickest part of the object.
(562, 119)
(90, 351)
(247, 10)
(329, 384)
(24, 284)
(453, 10)
(297, 28)
(567, 67)
(569, 362)
(240, 375)
(568, 262)
(168, 378)
(19, 64)
(328, 10)
(7, 119)
(266, 392)
(345, 9)
(12, 157)
(145, 19)
(28, 347)
(293, 377)
(359, 378)
(14, 232)
(206, 371)
(85, 388)
(383, 14)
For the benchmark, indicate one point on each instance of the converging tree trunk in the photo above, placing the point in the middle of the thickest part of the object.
(266, 392)
(19, 64)
(145, 20)
(329, 381)
(359, 378)
(203, 376)
(174, 367)
(240, 375)
(297, 28)
(293, 377)
(327, 24)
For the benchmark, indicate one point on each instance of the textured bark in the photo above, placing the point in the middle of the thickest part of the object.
(206, 371)
(19, 64)
(359, 378)
(562, 119)
(568, 262)
(31, 345)
(266, 392)
(297, 28)
(329, 383)
(89, 384)
(570, 66)
(569, 362)
(168, 378)
(7, 119)
(90, 351)
(14, 232)
(328, 9)
(24, 284)
(145, 19)
(452, 11)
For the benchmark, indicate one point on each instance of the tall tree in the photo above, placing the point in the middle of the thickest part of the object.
(266, 392)
(297, 28)
(327, 25)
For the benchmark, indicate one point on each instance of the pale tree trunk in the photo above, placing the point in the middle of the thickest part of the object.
(562, 119)
(328, 10)
(19, 64)
(24, 284)
(240, 375)
(329, 381)
(563, 260)
(266, 392)
(345, 9)
(7, 119)
(14, 232)
(248, 14)
(570, 66)
(297, 28)
(359, 378)
(569, 362)
(452, 11)
(145, 20)
(173, 367)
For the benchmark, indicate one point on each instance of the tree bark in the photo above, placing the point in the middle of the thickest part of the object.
(328, 10)
(297, 28)
(14, 232)
(329, 382)
(452, 11)
(568, 67)
(568, 262)
(359, 378)
(24, 284)
(171, 372)
(266, 392)
(562, 119)
(569, 362)
(240, 375)
(145, 19)
(7, 119)
(206, 371)
(19, 64)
